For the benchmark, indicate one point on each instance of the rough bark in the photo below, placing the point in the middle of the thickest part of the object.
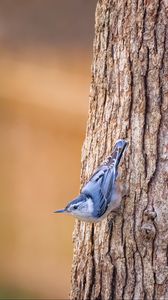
(126, 256)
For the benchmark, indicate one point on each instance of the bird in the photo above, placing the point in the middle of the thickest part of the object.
(101, 194)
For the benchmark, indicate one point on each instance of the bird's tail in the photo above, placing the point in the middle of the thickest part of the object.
(117, 153)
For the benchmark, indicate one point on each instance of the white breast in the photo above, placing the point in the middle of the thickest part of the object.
(90, 205)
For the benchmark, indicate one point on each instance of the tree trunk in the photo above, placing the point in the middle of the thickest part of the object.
(126, 255)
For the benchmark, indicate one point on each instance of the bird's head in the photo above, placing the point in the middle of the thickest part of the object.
(81, 207)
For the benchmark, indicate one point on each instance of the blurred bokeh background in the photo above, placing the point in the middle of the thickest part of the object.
(45, 58)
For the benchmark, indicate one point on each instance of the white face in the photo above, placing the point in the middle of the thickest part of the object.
(81, 210)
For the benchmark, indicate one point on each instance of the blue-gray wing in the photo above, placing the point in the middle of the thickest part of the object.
(105, 177)
(95, 182)
(99, 173)
(100, 187)
(100, 204)
(108, 183)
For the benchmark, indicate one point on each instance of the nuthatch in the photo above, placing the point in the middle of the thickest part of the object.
(100, 195)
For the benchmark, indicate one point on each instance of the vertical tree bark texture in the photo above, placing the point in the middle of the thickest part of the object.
(126, 255)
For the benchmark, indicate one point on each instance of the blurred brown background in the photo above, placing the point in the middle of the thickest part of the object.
(45, 58)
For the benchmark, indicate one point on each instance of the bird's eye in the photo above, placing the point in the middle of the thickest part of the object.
(75, 207)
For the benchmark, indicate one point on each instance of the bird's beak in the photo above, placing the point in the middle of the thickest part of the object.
(59, 211)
